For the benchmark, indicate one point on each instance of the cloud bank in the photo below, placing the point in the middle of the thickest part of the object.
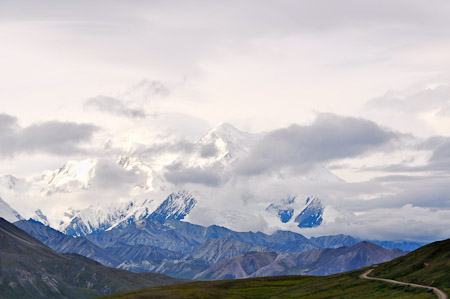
(328, 138)
(51, 137)
(114, 106)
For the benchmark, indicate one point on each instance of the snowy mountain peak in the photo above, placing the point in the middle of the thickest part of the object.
(312, 214)
(71, 176)
(8, 213)
(176, 206)
(96, 219)
(225, 129)
(223, 144)
(309, 213)
(40, 217)
(318, 173)
(8, 181)
(226, 132)
(283, 209)
(13, 183)
(136, 165)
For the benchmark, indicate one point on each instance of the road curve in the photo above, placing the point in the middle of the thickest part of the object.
(439, 293)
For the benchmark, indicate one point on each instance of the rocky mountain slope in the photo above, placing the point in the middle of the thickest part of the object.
(62, 243)
(29, 269)
(183, 250)
(177, 248)
(215, 250)
(311, 262)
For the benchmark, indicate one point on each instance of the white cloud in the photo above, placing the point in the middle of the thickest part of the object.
(261, 65)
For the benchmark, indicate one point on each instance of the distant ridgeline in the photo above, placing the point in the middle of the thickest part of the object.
(185, 250)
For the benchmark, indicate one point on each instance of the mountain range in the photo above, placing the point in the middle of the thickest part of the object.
(184, 250)
(29, 269)
(319, 261)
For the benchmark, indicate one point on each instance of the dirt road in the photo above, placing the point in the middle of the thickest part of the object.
(439, 293)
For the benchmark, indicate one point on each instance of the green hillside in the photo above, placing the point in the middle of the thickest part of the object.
(428, 265)
(347, 285)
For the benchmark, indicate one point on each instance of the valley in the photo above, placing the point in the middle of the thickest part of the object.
(408, 269)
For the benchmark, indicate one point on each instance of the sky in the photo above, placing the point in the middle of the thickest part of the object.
(359, 87)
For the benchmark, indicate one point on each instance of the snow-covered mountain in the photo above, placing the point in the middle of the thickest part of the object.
(72, 176)
(149, 193)
(283, 209)
(136, 165)
(96, 218)
(8, 213)
(12, 183)
(312, 214)
(76, 176)
(40, 217)
(176, 206)
(306, 215)
(222, 145)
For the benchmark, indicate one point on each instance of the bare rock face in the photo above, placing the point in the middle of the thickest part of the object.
(319, 261)
(238, 267)
(215, 250)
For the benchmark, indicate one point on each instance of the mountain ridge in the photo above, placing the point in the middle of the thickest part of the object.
(32, 270)
(319, 261)
(174, 247)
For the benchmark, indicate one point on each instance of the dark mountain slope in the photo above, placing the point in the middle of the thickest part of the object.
(67, 244)
(29, 269)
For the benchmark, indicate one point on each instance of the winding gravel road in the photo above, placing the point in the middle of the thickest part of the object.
(439, 293)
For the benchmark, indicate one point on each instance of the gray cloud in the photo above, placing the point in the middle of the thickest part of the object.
(328, 138)
(60, 138)
(178, 174)
(208, 150)
(180, 146)
(425, 100)
(422, 191)
(114, 106)
(110, 176)
(439, 161)
(410, 223)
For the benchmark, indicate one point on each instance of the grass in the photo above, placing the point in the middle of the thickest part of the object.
(428, 265)
(347, 285)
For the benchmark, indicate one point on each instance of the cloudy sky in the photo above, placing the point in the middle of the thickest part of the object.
(360, 87)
